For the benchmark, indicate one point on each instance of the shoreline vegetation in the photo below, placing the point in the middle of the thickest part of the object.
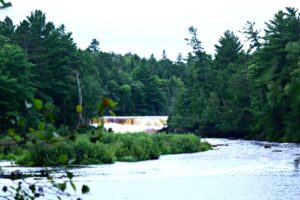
(98, 147)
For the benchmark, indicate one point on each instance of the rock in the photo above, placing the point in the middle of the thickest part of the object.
(296, 162)
(219, 145)
(267, 146)
(276, 150)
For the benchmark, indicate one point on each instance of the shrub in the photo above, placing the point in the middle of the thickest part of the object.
(47, 154)
(108, 148)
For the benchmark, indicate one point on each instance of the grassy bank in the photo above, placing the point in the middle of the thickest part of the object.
(104, 148)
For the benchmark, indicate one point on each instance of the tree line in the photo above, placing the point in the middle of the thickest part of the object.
(252, 94)
(41, 61)
(234, 93)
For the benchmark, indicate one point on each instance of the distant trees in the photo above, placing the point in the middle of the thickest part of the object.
(241, 94)
(231, 94)
(48, 62)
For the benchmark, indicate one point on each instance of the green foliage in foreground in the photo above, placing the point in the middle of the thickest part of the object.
(106, 148)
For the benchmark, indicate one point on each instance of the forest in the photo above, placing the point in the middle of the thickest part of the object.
(249, 93)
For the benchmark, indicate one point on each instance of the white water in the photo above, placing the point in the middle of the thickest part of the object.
(133, 123)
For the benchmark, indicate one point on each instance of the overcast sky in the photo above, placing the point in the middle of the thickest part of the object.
(150, 26)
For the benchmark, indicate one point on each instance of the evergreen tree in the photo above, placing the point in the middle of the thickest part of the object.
(272, 69)
(7, 28)
(228, 50)
(15, 85)
(94, 46)
(53, 53)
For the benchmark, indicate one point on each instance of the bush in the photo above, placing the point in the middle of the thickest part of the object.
(179, 143)
(108, 148)
(47, 154)
(134, 147)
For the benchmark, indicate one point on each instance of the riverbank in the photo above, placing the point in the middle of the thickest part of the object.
(103, 148)
(279, 138)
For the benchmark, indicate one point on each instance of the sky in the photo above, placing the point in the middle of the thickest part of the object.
(150, 26)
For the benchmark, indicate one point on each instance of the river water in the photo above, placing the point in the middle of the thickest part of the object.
(241, 170)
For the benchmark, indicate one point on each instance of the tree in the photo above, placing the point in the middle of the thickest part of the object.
(15, 85)
(7, 28)
(252, 35)
(194, 42)
(125, 103)
(54, 55)
(273, 67)
(192, 99)
(155, 97)
(229, 49)
(232, 87)
(91, 83)
(94, 46)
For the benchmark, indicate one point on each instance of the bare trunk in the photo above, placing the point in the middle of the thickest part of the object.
(80, 117)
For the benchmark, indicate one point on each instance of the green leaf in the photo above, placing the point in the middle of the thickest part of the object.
(70, 175)
(111, 103)
(62, 186)
(79, 109)
(31, 130)
(32, 188)
(73, 185)
(112, 113)
(85, 189)
(63, 159)
(41, 126)
(38, 104)
(11, 132)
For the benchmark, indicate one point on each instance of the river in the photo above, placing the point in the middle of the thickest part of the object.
(241, 170)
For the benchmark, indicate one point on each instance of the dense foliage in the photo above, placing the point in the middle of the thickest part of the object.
(107, 148)
(231, 94)
(254, 94)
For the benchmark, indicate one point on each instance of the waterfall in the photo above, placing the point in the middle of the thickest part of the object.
(132, 123)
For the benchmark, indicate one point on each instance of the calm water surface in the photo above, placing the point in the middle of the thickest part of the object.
(243, 170)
